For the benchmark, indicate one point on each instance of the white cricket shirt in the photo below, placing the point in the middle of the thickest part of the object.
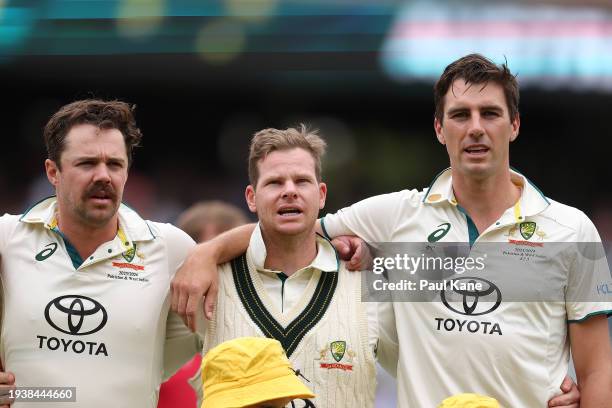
(516, 352)
(100, 324)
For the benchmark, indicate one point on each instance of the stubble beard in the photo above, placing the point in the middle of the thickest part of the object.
(96, 217)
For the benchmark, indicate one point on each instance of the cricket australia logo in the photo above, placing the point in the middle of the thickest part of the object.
(129, 254)
(337, 350)
(527, 229)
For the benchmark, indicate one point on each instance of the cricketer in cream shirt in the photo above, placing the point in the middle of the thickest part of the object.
(316, 313)
(101, 324)
(517, 353)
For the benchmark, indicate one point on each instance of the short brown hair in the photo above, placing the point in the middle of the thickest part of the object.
(476, 69)
(223, 215)
(266, 141)
(103, 114)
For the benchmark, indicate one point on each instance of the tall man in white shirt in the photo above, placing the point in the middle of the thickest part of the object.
(85, 280)
(479, 199)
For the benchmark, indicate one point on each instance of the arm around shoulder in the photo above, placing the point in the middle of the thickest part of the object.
(198, 277)
(373, 219)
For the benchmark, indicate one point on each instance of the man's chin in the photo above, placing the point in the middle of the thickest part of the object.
(99, 217)
(478, 170)
(290, 230)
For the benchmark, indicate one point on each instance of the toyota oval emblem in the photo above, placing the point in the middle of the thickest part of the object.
(472, 300)
(75, 314)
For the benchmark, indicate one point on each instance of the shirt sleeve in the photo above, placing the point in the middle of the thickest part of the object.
(372, 317)
(178, 246)
(7, 226)
(589, 287)
(373, 219)
(388, 344)
(180, 345)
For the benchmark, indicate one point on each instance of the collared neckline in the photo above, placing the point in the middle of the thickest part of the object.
(132, 229)
(131, 224)
(532, 201)
(326, 260)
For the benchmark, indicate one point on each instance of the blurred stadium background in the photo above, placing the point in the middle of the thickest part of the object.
(205, 75)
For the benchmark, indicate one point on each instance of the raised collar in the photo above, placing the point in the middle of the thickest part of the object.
(532, 200)
(326, 259)
(132, 228)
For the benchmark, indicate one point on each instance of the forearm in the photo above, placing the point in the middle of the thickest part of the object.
(590, 344)
(596, 389)
(227, 245)
(198, 276)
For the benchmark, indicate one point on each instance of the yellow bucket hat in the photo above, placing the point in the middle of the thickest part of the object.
(469, 401)
(247, 371)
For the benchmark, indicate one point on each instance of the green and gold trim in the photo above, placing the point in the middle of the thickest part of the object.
(290, 336)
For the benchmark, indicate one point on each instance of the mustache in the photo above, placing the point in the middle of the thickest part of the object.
(101, 188)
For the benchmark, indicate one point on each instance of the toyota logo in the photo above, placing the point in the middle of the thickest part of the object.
(76, 314)
(471, 299)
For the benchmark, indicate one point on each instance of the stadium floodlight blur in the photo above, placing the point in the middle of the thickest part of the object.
(548, 45)
(82, 27)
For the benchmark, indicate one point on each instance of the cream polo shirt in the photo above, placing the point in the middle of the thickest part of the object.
(285, 291)
(514, 351)
(101, 324)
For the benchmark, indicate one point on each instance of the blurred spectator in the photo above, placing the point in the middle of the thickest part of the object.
(202, 221)
(207, 219)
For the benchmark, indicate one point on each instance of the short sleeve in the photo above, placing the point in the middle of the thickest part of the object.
(589, 288)
(388, 344)
(373, 219)
(180, 345)
(7, 226)
(178, 245)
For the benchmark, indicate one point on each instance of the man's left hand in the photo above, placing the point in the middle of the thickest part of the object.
(354, 251)
(570, 397)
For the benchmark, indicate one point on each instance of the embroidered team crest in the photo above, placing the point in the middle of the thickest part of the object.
(339, 352)
(337, 348)
(129, 254)
(527, 229)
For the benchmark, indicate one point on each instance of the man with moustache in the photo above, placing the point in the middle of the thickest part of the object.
(85, 280)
